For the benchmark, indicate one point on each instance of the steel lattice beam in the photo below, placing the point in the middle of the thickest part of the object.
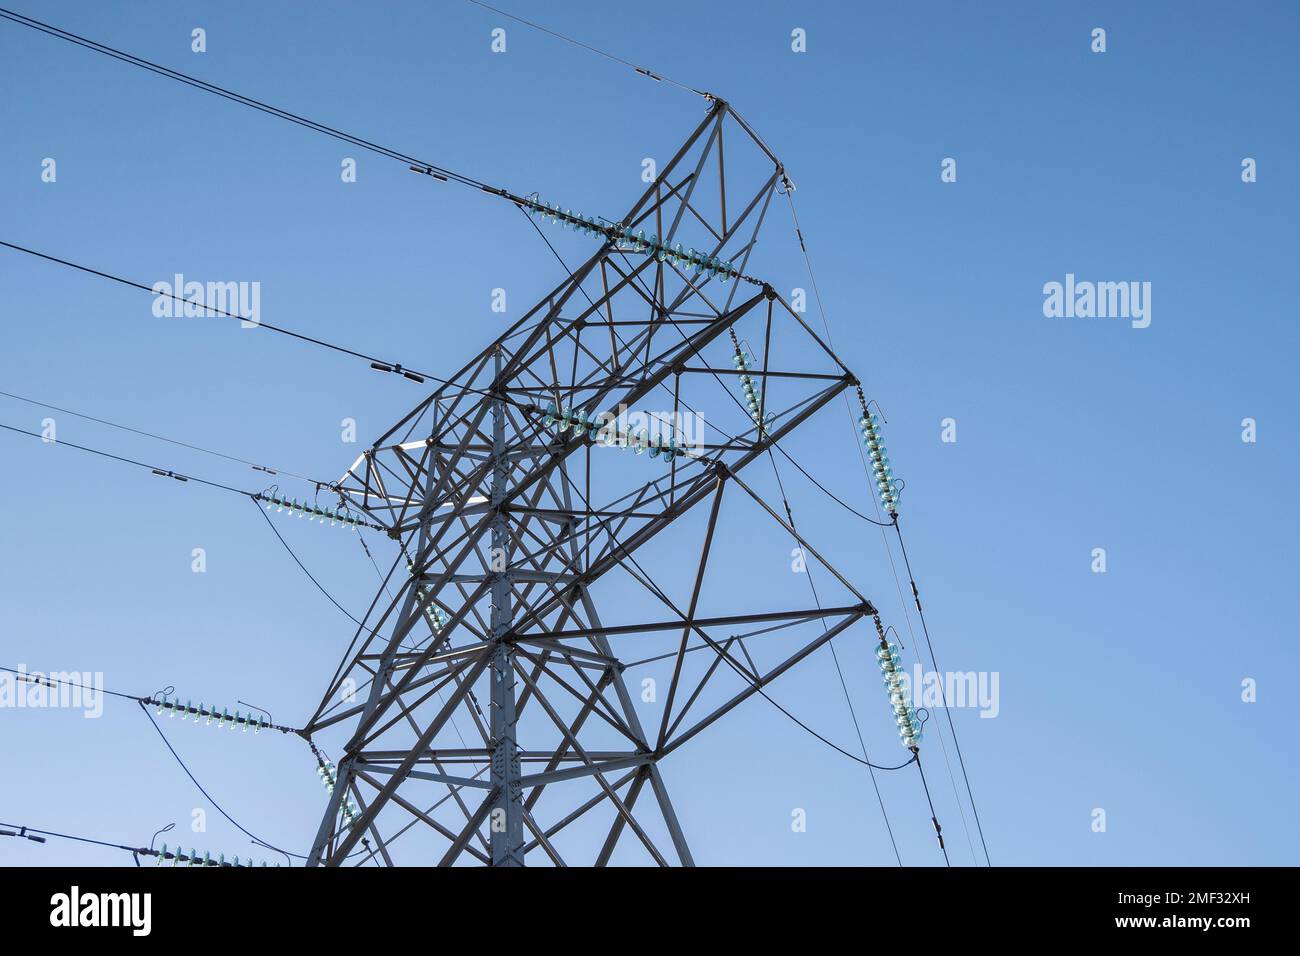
(506, 528)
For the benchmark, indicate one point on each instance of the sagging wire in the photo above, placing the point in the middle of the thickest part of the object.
(144, 707)
(159, 700)
(835, 657)
(788, 193)
(311, 577)
(645, 580)
(255, 497)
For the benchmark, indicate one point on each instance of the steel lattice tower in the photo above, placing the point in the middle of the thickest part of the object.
(514, 530)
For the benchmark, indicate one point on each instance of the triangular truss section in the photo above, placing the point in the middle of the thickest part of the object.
(486, 710)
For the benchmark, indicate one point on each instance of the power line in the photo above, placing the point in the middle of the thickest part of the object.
(947, 710)
(889, 488)
(163, 438)
(311, 577)
(178, 855)
(379, 364)
(824, 490)
(33, 677)
(416, 164)
(46, 680)
(821, 307)
(220, 809)
(23, 831)
(161, 472)
(191, 858)
(239, 98)
(848, 699)
(658, 77)
(145, 703)
(846, 753)
(938, 830)
(444, 175)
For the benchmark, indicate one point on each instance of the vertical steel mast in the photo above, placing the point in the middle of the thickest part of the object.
(507, 821)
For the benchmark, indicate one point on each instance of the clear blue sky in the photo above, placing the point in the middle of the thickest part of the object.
(1119, 691)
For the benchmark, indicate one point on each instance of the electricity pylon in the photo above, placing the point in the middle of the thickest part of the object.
(523, 495)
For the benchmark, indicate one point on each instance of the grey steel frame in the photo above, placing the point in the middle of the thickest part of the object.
(472, 466)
